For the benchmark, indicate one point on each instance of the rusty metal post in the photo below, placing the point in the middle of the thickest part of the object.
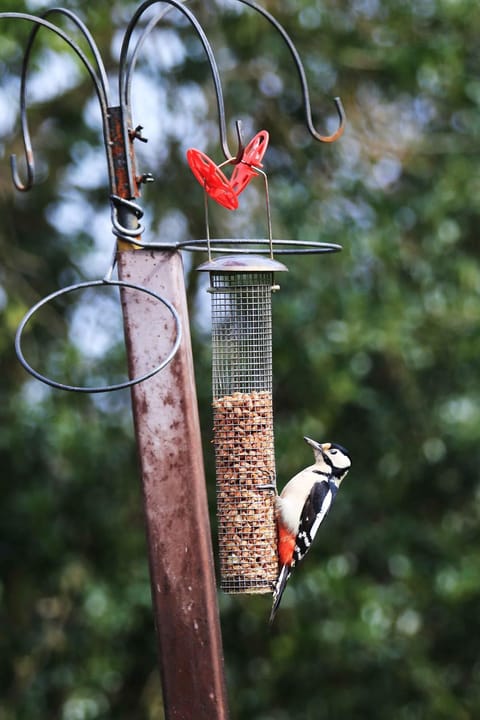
(169, 446)
(175, 500)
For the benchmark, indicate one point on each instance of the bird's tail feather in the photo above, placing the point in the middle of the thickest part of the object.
(278, 590)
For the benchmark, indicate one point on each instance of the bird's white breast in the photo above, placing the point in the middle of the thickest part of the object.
(291, 500)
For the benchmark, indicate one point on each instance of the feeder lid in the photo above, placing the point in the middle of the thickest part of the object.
(242, 263)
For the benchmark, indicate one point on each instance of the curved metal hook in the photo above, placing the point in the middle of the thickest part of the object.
(100, 84)
(29, 159)
(126, 70)
(103, 79)
(303, 79)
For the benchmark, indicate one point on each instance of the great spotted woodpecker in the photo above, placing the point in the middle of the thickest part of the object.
(302, 507)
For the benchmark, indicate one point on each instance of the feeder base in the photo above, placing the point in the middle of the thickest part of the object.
(240, 587)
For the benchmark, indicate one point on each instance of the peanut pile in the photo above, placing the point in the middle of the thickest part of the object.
(244, 452)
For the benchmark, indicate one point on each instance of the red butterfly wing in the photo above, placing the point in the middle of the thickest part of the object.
(212, 179)
(253, 155)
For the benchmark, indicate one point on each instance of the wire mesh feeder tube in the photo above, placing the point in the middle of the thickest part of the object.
(241, 290)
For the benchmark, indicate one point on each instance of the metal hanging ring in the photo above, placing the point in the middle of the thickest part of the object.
(105, 388)
(260, 246)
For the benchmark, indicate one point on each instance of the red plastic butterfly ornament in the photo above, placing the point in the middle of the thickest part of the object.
(214, 181)
(252, 156)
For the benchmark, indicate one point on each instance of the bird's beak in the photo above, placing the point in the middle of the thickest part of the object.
(314, 444)
(318, 447)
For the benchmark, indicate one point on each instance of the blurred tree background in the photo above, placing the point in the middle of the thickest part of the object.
(376, 348)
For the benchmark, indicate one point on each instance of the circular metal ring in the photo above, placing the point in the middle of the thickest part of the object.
(280, 247)
(106, 388)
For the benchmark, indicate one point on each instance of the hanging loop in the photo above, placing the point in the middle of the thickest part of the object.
(105, 388)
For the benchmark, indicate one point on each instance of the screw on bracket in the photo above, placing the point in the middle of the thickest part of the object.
(145, 178)
(137, 134)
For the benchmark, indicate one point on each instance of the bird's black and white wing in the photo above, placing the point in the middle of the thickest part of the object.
(314, 511)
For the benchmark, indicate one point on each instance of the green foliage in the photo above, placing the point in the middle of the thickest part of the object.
(376, 347)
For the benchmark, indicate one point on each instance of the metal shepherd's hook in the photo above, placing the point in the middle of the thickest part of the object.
(127, 66)
(303, 79)
(100, 83)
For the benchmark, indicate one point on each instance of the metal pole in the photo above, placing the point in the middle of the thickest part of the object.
(175, 500)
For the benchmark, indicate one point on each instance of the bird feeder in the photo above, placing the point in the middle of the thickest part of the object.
(241, 289)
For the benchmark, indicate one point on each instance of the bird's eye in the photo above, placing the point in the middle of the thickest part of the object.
(333, 452)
